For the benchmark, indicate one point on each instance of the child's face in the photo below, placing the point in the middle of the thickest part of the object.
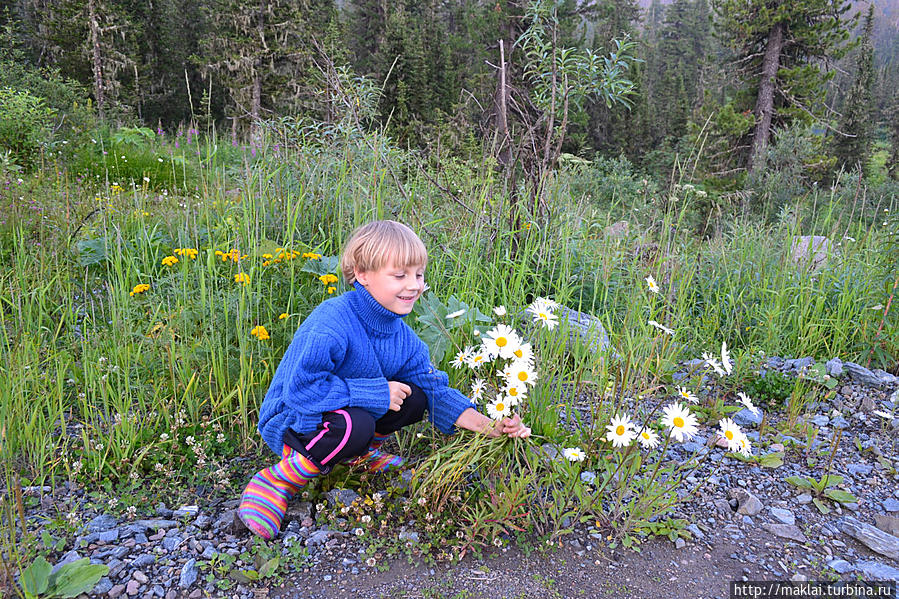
(395, 287)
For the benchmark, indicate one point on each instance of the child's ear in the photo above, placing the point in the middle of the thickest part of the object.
(361, 276)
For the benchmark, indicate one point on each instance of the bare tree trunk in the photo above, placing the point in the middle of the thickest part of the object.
(501, 107)
(764, 106)
(96, 58)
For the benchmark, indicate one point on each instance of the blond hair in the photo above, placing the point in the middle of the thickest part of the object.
(378, 244)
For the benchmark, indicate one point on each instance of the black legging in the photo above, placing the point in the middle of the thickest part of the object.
(348, 432)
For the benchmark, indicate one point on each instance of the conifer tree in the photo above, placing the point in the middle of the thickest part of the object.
(778, 45)
(852, 142)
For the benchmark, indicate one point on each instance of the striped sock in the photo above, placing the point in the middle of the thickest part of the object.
(376, 460)
(264, 502)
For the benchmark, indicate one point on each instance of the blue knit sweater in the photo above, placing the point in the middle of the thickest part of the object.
(341, 356)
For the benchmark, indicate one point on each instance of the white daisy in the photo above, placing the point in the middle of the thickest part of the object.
(501, 341)
(713, 362)
(462, 358)
(574, 454)
(543, 314)
(653, 286)
(621, 431)
(687, 395)
(744, 444)
(524, 353)
(725, 358)
(477, 389)
(519, 372)
(500, 310)
(499, 408)
(661, 327)
(477, 359)
(731, 433)
(515, 392)
(744, 399)
(549, 303)
(681, 422)
(455, 314)
(648, 438)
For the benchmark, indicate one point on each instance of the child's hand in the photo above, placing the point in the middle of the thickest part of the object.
(514, 427)
(398, 392)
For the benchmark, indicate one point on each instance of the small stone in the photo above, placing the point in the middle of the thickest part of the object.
(140, 577)
(116, 591)
(859, 470)
(834, 367)
(798, 578)
(680, 543)
(748, 504)
(186, 510)
(862, 375)
(103, 586)
(71, 556)
(132, 587)
(188, 574)
(108, 536)
(820, 420)
(747, 418)
(195, 594)
(876, 540)
(891, 505)
(784, 516)
(888, 524)
(202, 522)
(101, 523)
(839, 566)
(877, 571)
(787, 531)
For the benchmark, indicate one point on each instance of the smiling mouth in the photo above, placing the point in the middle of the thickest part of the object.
(407, 298)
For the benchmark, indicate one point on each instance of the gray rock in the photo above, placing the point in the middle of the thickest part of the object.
(71, 556)
(891, 505)
(886, 379)
(188, 574)
(116, 591)
(820, 420)
(202, 522)
(785, 516)
(115, 566)
(170, 543)
(776, 362)
(408, 535)
(100, 523)
(834, 367)
(157, 523)
(859, 470)
(158, 590)
(798, 363)
(186, 510)
(839, 422)
(588, 477)
(680, 543)
(140, 538)
(745, 418)
(103, 586)
(811, 251)
(862, 375)
(840, 566)
(341, 497)
(140, 577)
(804, 499)
(787, 531)
(108, 536)
(877, 571)
(888, 524)
(874, 538)
(143, 560)
(748, 504)
(586, 329)
(695, 531)
(319, 537)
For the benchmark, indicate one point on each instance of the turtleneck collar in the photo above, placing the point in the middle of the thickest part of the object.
(373, 315)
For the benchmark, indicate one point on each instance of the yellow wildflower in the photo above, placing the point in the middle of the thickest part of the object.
(328, 279)
(260, 333)
(170, 261)
(283, 315)
(242, 277)
(266, 256)
(331, 290)
(266, 263)
(188, 252)
(139, 289)
(312, 255)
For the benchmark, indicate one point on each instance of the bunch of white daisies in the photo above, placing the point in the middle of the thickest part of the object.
(504, 363)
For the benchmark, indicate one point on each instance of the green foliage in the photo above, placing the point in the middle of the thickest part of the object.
(70, 580)
(771, 389)
(25, 125)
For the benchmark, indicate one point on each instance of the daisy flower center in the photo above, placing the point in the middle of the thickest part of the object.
(522, 376)
(644, 434)
(513, 391)
(620, 430)
(518, 353)
(729, 435)
(500, 407)
(501, 342)
(678, 422)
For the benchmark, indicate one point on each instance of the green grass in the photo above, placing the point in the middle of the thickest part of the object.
(104, 384)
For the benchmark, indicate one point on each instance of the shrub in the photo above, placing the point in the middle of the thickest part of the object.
(25, 125)
(771, 389)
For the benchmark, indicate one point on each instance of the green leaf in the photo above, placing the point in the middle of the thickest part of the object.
(91, 251)
(841, 496)
(822, 507)
(830, 480)
(76, 577)
(269, 567)
(772, 460)
(35, 578)
(244, 576)
(326, 265)
(799, 481)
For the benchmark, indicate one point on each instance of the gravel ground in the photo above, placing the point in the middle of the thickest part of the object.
(747, 523)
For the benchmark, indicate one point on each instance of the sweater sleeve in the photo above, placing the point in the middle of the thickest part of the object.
(445, 403)
(311, 387)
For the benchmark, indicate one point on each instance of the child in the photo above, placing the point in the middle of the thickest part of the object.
(354, 374)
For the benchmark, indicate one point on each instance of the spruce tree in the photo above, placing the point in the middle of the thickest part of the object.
(778, 46)
(852, 143)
